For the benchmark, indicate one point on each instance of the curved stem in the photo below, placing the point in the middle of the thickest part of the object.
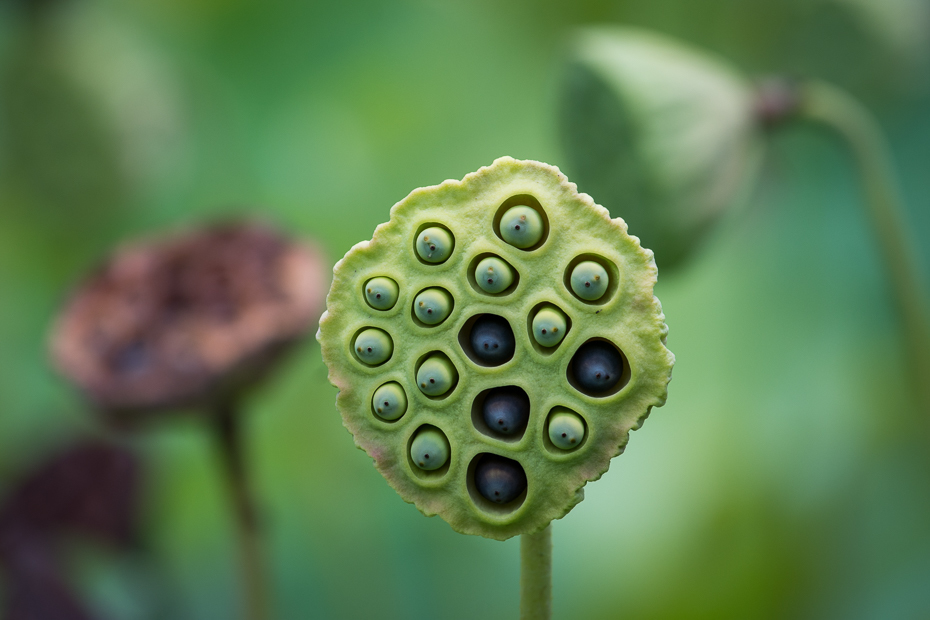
(228, 431)
(536, 575)
(840, 112)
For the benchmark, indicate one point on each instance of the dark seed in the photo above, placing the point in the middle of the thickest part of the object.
(597, 367)
(498, 479)
(492, 339)
(509, 408)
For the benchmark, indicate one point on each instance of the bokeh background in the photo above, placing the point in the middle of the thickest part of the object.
(786, 478)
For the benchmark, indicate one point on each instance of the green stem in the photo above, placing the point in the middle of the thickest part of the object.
(838, 111)
(536, 575)
(228, 428)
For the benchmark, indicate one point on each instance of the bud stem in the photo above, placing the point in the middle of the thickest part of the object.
(536, 575)
(228, 429)
(840, 112)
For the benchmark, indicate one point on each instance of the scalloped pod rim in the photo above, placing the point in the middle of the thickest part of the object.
(629, 316)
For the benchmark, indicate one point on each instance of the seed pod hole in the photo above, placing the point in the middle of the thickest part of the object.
(565, 431)
(547, 326)
(389, 402)
(429, 454)
(501, 413)
(487, 340)
(598, 368)
(522, 222)
(489, 274)
(432, 306)
(584, 278)
(381, 293)
(372, 346)
(496, 484)
(436, 376)
(433, 244)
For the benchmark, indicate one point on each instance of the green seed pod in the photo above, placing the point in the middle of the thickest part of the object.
(434, 244)
(373, 346)
(589, 280)
(549, 327)
(433, 306)
(436, 375)
(429, 449)
(522, 227)
(663, 134)
(566, 430)
(381, 293)
(546, 482)
(390, 401)
(493, 275)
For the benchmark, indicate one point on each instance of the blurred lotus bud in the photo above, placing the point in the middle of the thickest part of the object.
(665, 132)
(188, 320)
(90, 489)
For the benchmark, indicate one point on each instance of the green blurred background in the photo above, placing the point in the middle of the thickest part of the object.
(786, 478)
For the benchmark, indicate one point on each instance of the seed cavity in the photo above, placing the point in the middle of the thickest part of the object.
(522, 226)
(381, 293)
(393, 399)
(566, 428)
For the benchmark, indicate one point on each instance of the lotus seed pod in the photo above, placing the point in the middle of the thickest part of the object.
(373, 346)
(432, 306)
(436, 375)
(549, 327)
(498, 479)
(492, 340)
(429, 449)
(662, 134)
(597, 367)
(566, 430)
(434, 245)
(589, 280)
(506, 410)
(381, 293)
(390, 401)
(493, 275)
(522, 227)
(526, 482)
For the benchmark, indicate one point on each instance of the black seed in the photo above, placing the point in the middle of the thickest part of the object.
(597, 367)
(492, 339)
(498, 479)
(509, 407)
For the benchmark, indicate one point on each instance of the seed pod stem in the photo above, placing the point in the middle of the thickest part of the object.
(536, 575)
(836, 110)
(228, 431)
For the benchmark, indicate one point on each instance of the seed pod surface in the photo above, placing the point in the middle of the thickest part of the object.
(544, 481)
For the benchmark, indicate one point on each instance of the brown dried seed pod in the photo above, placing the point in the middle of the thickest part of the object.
(188, 319)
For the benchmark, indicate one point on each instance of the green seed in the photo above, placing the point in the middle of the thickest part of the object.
(436, 375)
(493, 275)
(521, 227)
(589, 280)
(381, 293)
(432, 306)
(373, 346)
(549, 327)
(429, 449)
(566, 430)
(434, 245)
(390, 401)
